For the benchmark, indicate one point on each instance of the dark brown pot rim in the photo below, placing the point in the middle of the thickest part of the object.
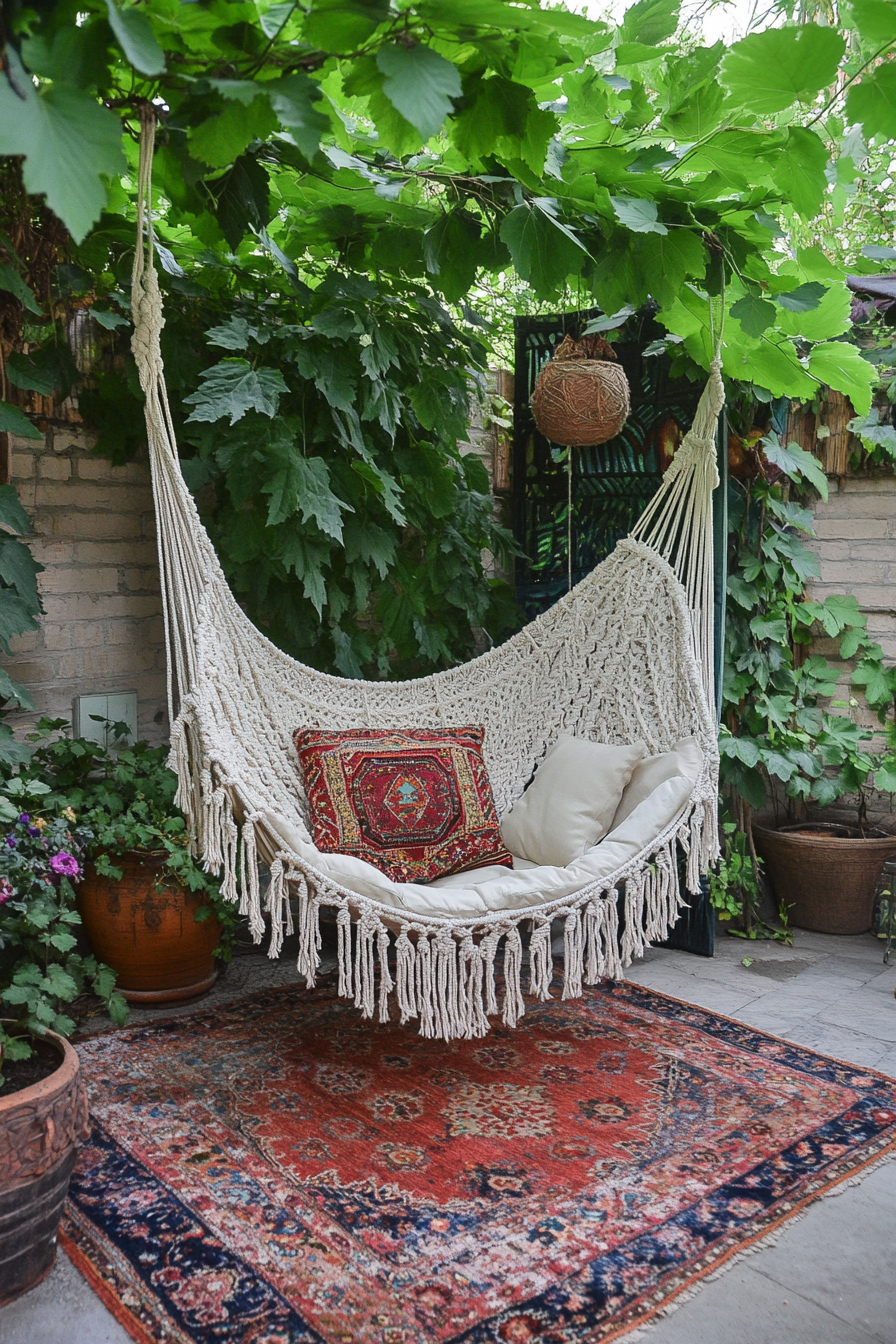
(821, 833)
(57, 1081)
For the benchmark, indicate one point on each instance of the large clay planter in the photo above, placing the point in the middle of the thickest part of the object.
(40, 1129)
(144, 927)
(825, 877)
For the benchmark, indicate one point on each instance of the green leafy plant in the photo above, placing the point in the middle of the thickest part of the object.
(124, 795)
(42, 852)
(779, 736)
(19, 608)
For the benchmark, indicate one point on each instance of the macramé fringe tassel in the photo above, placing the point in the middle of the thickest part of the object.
(633, 935)
(472, 961)
(573, 956)
(309, 934)
(386, 982)
(250, 894)
(514, 1005)
(344, 934)
(404, 975)
(277, 905)
(365, 933)
(541, 964)
(488, 949)
(424, 987)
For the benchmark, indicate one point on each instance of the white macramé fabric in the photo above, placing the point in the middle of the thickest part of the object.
(618, 659)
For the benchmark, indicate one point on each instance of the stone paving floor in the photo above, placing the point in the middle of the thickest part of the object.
(831, 1276)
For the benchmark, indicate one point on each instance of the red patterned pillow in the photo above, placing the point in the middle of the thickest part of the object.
(416, 803)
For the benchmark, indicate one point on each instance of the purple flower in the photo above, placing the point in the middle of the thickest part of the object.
(32, 830)
(6, 890)
(65, 864)
(24, 818)
(12, 841)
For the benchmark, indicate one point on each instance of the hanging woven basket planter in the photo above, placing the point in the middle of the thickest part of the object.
(581, 397)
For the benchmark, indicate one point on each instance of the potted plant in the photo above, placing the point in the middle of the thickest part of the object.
(43, 1107)
(784, 747)
(148, 908)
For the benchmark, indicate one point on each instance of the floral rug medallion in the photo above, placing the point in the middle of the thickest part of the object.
(279, 1170)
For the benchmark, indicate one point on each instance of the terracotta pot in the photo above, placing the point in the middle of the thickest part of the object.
(824, 875)
(144, 927)
(40, 1129)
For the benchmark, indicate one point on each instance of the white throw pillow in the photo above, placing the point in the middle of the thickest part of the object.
(570, 803)
(685, 758)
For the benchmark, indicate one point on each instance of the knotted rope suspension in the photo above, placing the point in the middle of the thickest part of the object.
(678, 521)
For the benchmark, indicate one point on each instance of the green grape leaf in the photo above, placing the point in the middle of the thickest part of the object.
(542, 253)
(11, 511)
(755, 315)
(293, 98)
(420, 84)
(799, 169)
(637, 214)
(769, 627)
(19, 569)
(232, 388)
(769, 71)
(11, 281)
(137, 40)
(450, 252)
(796, 463)
(220, 139)
(802, 299)
(13, 421)
(872, 102)
(111, 321)
(840, 365)
(650, 21)
(69, 143)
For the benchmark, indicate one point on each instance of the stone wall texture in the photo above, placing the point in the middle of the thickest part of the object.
(94, 532)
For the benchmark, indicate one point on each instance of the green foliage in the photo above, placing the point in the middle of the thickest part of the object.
(778, 729)
(19, 607)
(123, 797)
(42, 849)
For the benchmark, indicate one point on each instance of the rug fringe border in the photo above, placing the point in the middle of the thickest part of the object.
(110, 1300)
(642, 1328)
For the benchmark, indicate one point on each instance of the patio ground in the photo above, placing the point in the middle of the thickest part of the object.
(827, 1280)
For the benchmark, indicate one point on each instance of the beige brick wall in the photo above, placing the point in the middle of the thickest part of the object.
(856, 545)
(94, 531)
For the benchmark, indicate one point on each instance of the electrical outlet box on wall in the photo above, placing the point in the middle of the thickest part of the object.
(91, 713)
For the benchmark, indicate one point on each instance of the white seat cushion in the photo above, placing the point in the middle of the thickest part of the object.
(492, 889)
(570, 804)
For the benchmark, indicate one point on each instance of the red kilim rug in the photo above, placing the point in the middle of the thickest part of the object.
(280, 1171)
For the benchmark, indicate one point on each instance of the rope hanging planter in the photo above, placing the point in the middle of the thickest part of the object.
(581, 397)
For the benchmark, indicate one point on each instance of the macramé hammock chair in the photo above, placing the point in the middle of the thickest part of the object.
(626, 656)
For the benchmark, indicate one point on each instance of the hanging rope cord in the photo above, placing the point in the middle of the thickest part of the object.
(678, 521)
(187, 561)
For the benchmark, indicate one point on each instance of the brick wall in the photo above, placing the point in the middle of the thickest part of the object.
(856, 545)
(94, 531)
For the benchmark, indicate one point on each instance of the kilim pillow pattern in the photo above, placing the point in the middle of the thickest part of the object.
(416, 802)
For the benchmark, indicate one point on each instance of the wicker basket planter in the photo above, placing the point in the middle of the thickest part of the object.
(41, 1127)
(825, 874)
(582, 395)
(144, 927)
